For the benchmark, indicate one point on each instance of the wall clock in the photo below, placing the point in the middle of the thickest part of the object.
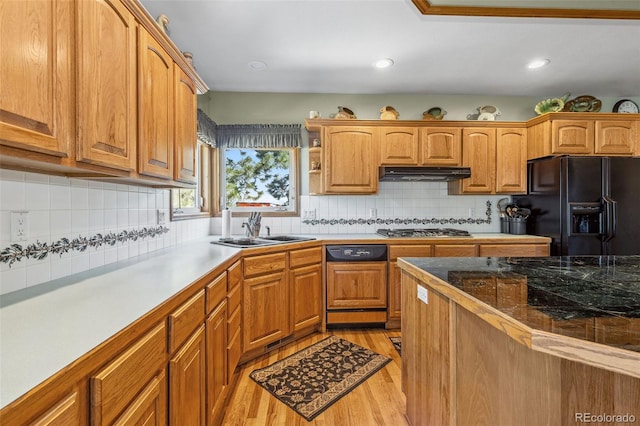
(626, 105)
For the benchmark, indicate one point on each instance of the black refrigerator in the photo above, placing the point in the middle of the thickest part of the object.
(587, 205)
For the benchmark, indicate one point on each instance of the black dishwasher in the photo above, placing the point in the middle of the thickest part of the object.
(356, 284)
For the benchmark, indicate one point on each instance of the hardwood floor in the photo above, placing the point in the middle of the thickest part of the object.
(377, 401)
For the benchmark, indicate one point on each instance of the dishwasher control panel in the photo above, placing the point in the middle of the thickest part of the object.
(357, 253)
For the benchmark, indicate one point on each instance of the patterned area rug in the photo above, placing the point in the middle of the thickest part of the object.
(397, 343)
(312, 379)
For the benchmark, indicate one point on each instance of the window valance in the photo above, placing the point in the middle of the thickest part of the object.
(207, 129)
(254, 136)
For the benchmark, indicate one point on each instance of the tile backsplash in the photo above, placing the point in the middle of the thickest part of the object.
(60, 207)
(395, 200)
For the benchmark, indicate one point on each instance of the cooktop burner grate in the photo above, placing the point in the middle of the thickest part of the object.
(425, 232)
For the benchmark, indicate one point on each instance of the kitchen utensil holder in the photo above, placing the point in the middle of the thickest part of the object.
(518, 225)
(504, 225)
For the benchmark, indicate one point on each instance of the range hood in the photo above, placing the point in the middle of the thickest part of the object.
(424, 173)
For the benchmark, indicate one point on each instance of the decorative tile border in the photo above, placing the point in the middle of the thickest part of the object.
(403, 221)
(16, 252)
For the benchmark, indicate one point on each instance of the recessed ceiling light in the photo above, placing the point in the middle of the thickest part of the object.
(383, 63)
(257, 65)
(538, 63)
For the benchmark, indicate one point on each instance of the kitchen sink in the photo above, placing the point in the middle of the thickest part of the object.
(262, 241)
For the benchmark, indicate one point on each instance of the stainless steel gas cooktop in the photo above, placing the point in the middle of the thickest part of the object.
(424, 232)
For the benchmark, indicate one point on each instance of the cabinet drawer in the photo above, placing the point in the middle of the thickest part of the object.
(216, 291)
(265, 264)
(185, 319)
(116, 385)
(514, 250)
(234, 275)
(234, 298)
(455, 250)
(305, 257)
(410, 251)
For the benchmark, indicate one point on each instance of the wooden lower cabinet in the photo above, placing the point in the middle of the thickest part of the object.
(65, 412)
(115, 389)
(216, 353)
(265, 313)
(149, 408)
(306, 296)
(187, 382)
(234, 317)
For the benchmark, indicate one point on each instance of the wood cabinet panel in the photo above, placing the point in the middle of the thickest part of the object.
(265, 264)
(305, 257)
(234, 276)
(185, 119)
(506, 250)
(350, 160)
(264, 319)
(216, 292)
(185, 319)
(306, 296)
(478, 153)
(616, 137)
(66, 412)
(106, 37)
(408, 250)
(187, 404)
(216, 350)
(572, 136)
(150, 407)
(155, 127)
(36, 41)
(234, 344)
(115, 386)
(394, 308)
(356, 285)
(441, 146)
(399, 145)
(454, 250)
(511, 161)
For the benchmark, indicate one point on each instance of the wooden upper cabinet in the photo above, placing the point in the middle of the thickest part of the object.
(185, 114)
(399, 145)
(572, 136)
(36, 76)
(106, 38)
(511, 161)
(350, 160)
(478, 153)
(440, 146)
(155, 127)
(617, 137)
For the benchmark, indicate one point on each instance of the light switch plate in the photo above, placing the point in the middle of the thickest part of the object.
(161, 217)
(423, 294)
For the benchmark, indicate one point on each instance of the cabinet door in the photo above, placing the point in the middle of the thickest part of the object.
(216, 340)
(187, 382)
(350, 160)
(440, 146)
(615, 137)
(511, 161)
(399, 145)
(185, 127)
(149, 408)
(155, 130)
(107, 95)
(65, 412)
(36, 65)
(394, 311)
(356, 285)
(572, 136)
(478, 153)
(306, 296)
(265, 310)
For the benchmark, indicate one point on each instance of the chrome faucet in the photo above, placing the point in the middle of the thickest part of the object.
(252, 226)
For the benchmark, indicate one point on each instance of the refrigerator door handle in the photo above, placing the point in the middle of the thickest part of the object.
(611, 218)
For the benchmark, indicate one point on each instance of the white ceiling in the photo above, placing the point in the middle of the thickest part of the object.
(328, 46)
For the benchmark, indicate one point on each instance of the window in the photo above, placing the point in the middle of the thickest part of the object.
(260, 179)
(188, 203)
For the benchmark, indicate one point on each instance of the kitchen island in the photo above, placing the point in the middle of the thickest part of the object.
(503, 341)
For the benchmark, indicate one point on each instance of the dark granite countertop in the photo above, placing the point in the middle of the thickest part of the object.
(593, 298)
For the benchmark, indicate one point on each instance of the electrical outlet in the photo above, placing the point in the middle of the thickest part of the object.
(19, 226)
(309, 214)
(472, 212)
(373, 213)
(423, 294)
(161, 217)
